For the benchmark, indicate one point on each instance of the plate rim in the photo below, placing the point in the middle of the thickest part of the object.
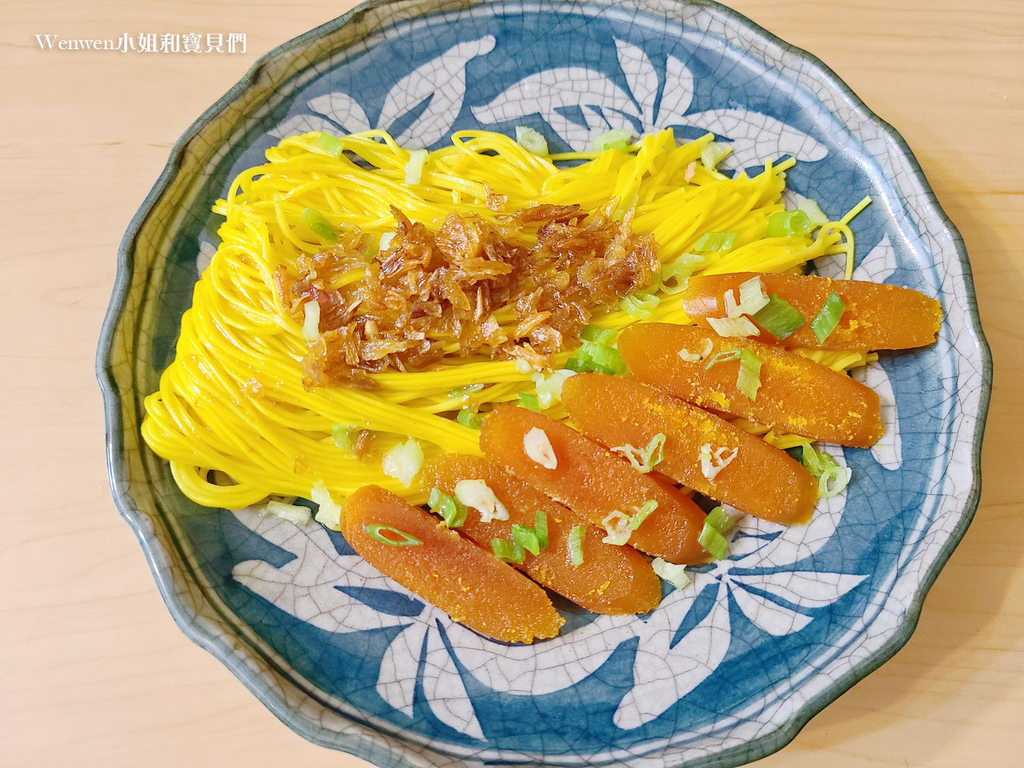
(358, 743)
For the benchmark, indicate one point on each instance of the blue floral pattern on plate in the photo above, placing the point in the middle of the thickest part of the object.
(725, 670)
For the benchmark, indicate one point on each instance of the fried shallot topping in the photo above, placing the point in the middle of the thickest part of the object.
(472, 288)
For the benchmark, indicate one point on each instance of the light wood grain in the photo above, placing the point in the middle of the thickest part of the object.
(94, 671)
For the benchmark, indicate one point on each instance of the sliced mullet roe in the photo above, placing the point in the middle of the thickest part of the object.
(596, 483)
(446, 570)
(877, 316)
(611, 580)
(796, 395)
(756, 478)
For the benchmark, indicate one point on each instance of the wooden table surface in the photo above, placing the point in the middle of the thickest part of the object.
(94, 671)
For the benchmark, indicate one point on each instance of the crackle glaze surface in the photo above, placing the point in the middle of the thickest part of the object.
(724, 671)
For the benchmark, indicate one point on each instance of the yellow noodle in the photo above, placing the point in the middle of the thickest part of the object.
(233, 399)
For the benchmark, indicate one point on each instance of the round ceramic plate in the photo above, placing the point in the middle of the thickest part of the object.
(724, 671)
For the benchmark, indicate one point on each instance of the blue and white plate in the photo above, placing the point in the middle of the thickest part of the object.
(724, 671)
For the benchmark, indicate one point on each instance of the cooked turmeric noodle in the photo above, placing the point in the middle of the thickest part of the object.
(233, 399)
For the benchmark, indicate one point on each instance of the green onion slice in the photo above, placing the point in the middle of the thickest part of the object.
(713, 154)
(647, 458)
(719, 520)
(597, 358)
(814, 213)
(713, 541)
(526, 537)
(540, 527)
(466, 391)
(832, 478)
(722, 357)
(414, 166)
(450, 509)
(617, 138)
(788, 224)
(470, 418)
(637, 519)
(344, 436)
(329, 145)
(577, 536)
(597, 335)
(532, 141)
(529, 400)
(828, 317)
(716, 241)
(321, 227)
(509, 551)
(675, 276)
(672, 573)
(779, 318)
(748, 381)
(639, 305)
(395, 537)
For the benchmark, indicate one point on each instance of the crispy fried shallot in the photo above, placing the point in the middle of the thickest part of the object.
(471, 288)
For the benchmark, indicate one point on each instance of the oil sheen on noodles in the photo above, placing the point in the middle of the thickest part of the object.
(233, 399)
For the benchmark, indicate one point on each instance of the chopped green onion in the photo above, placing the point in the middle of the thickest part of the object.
(599, 358)
(722, 357)
(532, 141)
(832, 478)
(311, 320)
(828, 317)
(752, 296)
(477, 494)
(403, 462)
(293, 513)
(470, 418)
(537, 446)
(616, 526)
(508, 551)
(385, 241)
(526, 537)
(328, 510)
(529, 400)
(345, 435)
(541, 528)
(639, 305)
(733, 327)
(719, 520)
(672, 573)
(788, 224)
(604, 359)
(637, 519)
(713, 541)
(713, 463)
(644, 459)
(713, 154)
(329, 145)
(597, 335)
(414, 166)
(376, 532)
(675, 276)
(549, 388)
(320, 226)
(748, 380)
(450, 509)
(716, 241)
(617, 138)
(779, 317)
(814, 213)
(522, 366)
(466, 391)
(577, 536)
